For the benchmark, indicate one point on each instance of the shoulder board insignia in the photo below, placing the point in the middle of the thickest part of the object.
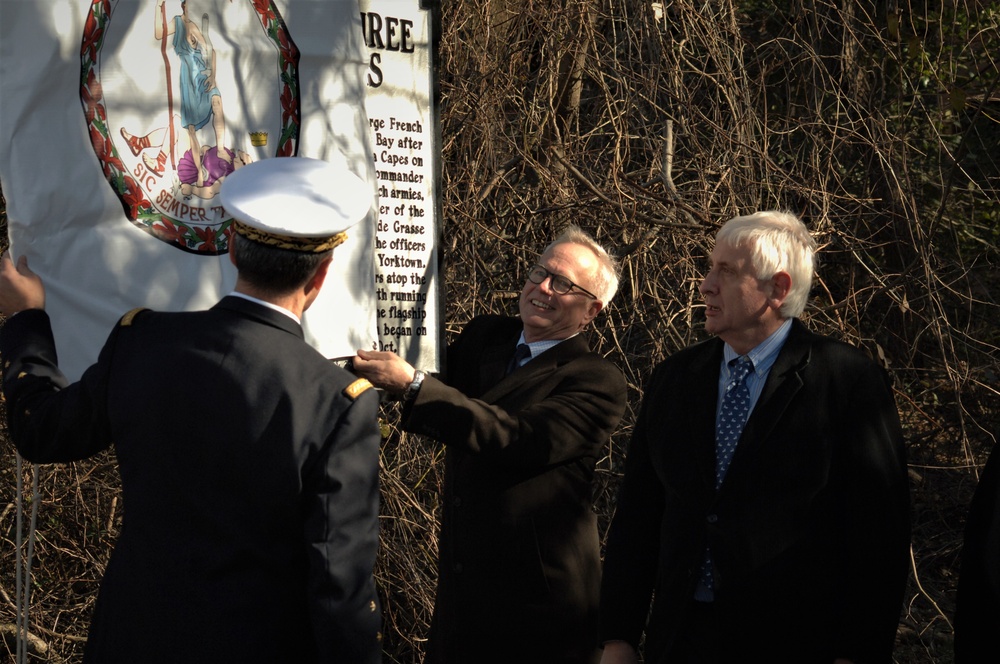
(130, 316)
(355, 389)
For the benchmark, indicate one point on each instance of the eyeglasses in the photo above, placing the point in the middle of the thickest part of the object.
(560, 284)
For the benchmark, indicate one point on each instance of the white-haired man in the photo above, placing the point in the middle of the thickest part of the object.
(764, 509)
(519, 564)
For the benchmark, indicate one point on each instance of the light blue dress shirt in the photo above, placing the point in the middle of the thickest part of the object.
(762, 356)
(539, 347)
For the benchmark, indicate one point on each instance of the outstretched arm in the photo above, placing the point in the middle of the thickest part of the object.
(159, 20)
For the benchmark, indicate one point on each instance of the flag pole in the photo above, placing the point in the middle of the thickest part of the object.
(23, 556)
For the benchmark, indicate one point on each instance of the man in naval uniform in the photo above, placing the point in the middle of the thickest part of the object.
(249, 462)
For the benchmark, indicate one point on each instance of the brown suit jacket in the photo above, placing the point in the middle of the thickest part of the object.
(519, 569)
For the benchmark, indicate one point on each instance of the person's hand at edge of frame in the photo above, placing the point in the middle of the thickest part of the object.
(20, 288)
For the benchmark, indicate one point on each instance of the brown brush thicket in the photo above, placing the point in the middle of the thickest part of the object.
(649, 124)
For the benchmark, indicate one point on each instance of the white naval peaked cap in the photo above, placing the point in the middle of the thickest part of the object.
(296, 203)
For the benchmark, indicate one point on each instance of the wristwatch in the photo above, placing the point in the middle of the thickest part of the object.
(414, 386)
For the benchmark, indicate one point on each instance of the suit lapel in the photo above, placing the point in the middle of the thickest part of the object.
(783, 382)
(700, 402)
(493, 364)
(538, 367)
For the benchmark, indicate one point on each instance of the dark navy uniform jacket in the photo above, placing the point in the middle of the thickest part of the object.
(249, 468)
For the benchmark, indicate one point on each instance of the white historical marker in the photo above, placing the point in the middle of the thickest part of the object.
(404, 138)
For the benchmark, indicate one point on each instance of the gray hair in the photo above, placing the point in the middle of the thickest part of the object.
(778, 242)
(606, 279)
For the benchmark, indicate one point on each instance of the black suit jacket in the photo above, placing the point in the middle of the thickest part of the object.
(519, 571)
(977, 604)
(249, 481)
(809, 531)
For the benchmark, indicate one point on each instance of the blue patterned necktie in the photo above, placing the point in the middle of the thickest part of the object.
(521, 353)
(732, 418)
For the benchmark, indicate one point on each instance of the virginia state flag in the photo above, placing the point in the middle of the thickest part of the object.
(119, 121)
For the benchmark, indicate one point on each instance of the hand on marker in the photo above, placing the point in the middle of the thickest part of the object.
(385, 370)
(20, 288)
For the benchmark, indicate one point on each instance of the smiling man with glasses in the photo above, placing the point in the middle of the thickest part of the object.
(525, 412)
(560, 284)
(553, 307)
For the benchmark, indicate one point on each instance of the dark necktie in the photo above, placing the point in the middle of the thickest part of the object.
(732, 418)
(522, 353)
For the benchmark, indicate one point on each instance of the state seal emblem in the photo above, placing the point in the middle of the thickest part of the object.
(177, 94)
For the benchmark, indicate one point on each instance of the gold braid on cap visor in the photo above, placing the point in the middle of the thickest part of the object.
(316, 245)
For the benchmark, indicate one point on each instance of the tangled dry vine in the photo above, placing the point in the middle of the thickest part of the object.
(648, 124)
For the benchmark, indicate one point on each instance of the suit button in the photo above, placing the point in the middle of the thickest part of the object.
(712, 518)
(457, 568)
(457, 502)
